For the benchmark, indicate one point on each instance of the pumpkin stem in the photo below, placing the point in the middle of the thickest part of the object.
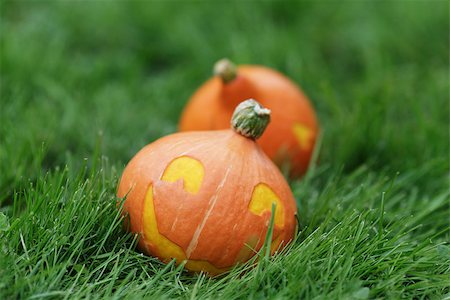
(250, 119)
(226, 70)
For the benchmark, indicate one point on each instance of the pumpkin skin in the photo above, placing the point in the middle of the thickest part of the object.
(206, 198)
(291, 136)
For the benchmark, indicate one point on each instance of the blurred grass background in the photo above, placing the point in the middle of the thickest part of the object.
(81, 79)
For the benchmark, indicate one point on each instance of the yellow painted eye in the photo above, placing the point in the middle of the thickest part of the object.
(188, 169)
(262, 198)
(303, 135)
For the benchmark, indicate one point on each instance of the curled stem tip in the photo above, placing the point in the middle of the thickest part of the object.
(225, 69)
(250, 119)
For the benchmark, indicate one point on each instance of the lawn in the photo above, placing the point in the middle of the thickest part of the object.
(86, 84)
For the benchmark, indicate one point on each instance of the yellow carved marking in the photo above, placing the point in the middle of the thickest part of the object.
(167, 250)
(188, 169)
(304, 136)
(262, 199)
(201, 265)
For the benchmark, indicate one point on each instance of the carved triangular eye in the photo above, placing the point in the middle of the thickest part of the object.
(188, 169)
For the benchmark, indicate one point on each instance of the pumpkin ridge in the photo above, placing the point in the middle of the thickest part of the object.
(199, 229)
(234, 232)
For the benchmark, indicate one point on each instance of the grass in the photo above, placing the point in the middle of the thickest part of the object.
(85, 85)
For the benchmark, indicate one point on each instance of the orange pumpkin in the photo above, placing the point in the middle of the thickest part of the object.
(291, 136)
(206, 197)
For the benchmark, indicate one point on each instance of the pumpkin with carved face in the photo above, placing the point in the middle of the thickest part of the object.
(291, 136)
(206, 198)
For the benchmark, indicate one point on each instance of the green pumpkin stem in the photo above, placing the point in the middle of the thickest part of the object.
(226, 70)
(250, 119)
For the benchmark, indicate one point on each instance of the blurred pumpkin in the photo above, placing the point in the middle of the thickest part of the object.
(291, 136)
(206, 197)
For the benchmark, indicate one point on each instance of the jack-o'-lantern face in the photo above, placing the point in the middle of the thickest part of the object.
(291, 136)
(196, 208)
(206, 198)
